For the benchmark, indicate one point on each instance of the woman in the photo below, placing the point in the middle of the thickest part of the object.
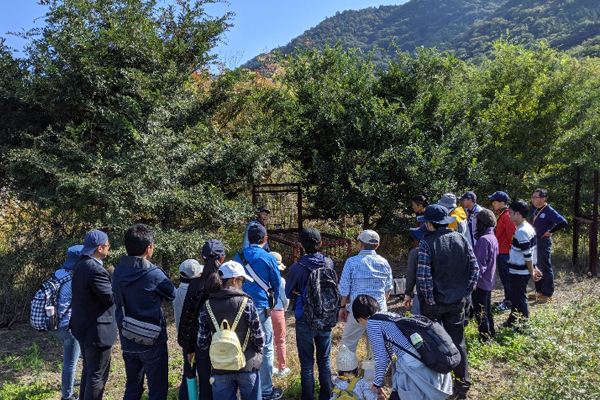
(411, 379)
(213, 254)
(228, 302)
(486, 252)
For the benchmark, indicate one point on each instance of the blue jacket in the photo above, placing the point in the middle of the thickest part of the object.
(143, 286)
(265, 266)
(298, 277)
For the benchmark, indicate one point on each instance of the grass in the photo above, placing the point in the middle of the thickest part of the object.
(556, 357)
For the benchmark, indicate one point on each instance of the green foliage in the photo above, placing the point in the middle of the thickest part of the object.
(31, 391)
(30, 359)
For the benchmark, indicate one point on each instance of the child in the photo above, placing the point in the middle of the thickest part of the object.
(346, 380)
(278, 318)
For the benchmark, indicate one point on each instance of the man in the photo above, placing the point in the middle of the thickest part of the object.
(505, 229)
(546, 221)
(448, 201)
(262, 267)
(261, 219)
(93, 314)
(522, 261)
(469, 202)
(446, 275)
(308, 339)
(366, 273)
(140, 287)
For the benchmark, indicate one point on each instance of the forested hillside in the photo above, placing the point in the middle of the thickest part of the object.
(466, 27)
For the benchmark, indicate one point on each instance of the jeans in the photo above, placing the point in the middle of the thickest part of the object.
(502, 267)
(483, 313)
(518, 288)
(545, 285)
(452, 317)
(225, 386)
(154, 363)
(307, 340)
(70, 356)
(96, 365)
(266, 371)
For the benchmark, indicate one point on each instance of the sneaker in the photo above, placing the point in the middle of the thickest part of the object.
(73, 397)
(77, 382)
(283, 372)
(502, 307)
(275, 394)
(533, 295)
(544, 299)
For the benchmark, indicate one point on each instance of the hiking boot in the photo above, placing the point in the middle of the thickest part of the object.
(533, 295)
(544, 299)
(275, 394)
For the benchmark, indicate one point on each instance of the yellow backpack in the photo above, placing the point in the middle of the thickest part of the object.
(348, 393)
(225, 351)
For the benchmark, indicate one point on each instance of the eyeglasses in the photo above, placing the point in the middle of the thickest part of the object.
(105, 245)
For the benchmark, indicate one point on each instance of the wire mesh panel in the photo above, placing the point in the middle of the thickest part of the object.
(283, 200)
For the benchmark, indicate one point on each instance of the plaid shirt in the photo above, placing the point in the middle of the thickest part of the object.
(366, 273)
(424, 272)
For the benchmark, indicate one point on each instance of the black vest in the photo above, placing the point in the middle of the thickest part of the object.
(225, 304)
(449, 252)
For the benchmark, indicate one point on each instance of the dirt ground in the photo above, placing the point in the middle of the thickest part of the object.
(14, 342)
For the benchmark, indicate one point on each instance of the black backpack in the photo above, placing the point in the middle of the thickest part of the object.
(437, 352)
(322, 300)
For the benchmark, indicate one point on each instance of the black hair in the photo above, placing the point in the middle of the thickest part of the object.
(364, 306)
(137, 239)
(369, 246)
(311, 247)
(354, 371)
(542, 192)
(521, 207)
(420, 200)
(480, 228)
(212, 281)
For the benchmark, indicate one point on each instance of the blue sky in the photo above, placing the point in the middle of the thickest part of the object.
(259, 25)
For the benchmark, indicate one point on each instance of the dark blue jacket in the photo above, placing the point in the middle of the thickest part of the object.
(143, 286)
(265, 266)
(298, 277)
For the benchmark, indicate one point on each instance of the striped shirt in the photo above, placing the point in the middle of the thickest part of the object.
(381, 334)
(366, 273)
(524, 248)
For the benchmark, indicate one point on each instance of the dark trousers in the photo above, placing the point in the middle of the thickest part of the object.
(154, 363)
(452, 317)
(483, 313)
(545, 285)
(96, 365)
(518, 289)
(202, 371)
(308, 341)
(502, 267)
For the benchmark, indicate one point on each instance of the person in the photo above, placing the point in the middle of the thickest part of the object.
(93, 314)
(347, 378)
(419, 202)
(140, 288)
(213, 254)
(411, 379)
(261, 219)
(264, 266)
(278, 318)
(365, 273)
(448, 201)
(522, 260)
(307, 339)
(469, 203)
(546, 221)
(505, 229)
(71, 349)
(410, 290)
(446, 275)
(225, 300)
(189, 270)
(486, 253)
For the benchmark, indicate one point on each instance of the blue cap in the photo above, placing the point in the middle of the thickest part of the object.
(417, 233)
(469, 195)
(213, 249)
(256, 233)
(73, 254)
(500, 196)
(92, 240)
(437, 214)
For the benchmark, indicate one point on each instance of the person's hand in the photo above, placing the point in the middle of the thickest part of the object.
(343, 314)
(547, 234)
(408, 303)
(379, 392)
(191, 357)
(537, 274)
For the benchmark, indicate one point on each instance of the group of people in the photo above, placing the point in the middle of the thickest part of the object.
(452, 267)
